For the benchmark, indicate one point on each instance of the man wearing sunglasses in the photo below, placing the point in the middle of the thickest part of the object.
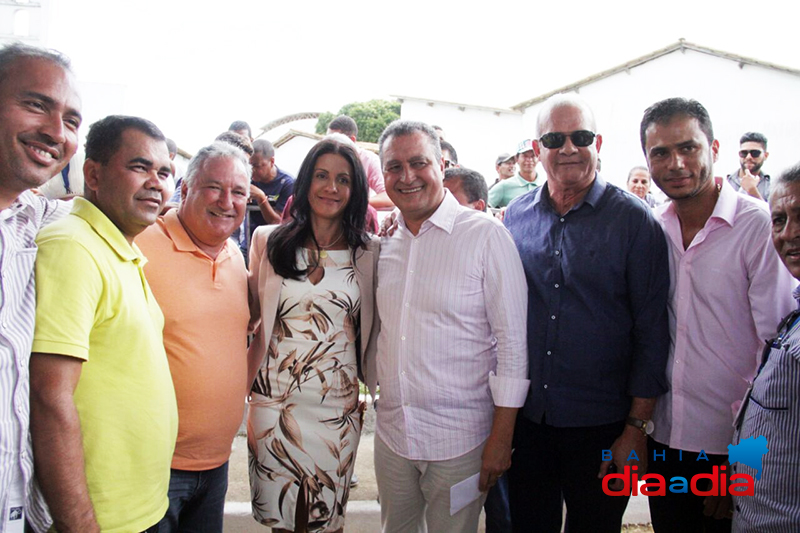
(748, 178)
(596, 263)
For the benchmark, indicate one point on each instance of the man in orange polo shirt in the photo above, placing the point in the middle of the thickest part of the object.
(199, 279)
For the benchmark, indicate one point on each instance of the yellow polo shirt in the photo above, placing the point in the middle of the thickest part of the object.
(93, 302)
(205, 333)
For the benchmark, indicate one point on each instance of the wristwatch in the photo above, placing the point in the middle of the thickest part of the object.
(645, 426)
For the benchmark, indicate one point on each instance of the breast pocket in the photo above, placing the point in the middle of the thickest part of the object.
(20, 270)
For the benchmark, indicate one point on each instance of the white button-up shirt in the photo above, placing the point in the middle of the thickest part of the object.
(453, 305)
(19, 224)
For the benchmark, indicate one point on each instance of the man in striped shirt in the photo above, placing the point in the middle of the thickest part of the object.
(39, 119)
(772, 406)
(451, 361)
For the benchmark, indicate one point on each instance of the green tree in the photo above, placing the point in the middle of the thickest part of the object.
(371, 117)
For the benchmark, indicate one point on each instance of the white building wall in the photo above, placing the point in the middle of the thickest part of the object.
(750, 98)
(478, 135)
(290, 155)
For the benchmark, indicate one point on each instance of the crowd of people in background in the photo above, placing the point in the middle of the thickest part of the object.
(587, 329)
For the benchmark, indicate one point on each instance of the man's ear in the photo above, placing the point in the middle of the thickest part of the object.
(537, 150)
(480, 205)
(714, 150)
(91, 174)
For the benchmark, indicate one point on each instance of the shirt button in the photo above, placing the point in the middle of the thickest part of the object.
(408, 304)
(403, 338)
(549, 352)
(556, 285)
(561, 219)
(552, 317)
(545, 385)
(403, 373)
(410, 271)
(558, 252)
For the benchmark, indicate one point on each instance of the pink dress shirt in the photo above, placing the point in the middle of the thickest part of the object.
(453, 305)
(372, 168)
(728, 292)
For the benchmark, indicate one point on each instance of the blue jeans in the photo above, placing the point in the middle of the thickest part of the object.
(196, 501)
(498, 515)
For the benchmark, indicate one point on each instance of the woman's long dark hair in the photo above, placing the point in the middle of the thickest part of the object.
(285, 240)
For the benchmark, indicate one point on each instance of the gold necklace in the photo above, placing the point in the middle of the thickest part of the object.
(323, 250)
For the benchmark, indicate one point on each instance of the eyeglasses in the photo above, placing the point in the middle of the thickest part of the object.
(449, 164)
(580, 138)
(755, 154)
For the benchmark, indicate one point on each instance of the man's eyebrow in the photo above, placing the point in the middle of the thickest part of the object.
(51, 102)
(687, 144)
(142, 160)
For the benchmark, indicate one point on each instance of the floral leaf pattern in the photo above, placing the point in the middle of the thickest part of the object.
(305, 418)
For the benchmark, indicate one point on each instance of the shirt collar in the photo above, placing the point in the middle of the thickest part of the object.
(525, 183)
(23, 204)
(106, 229)
(725, 209)
(444, 217)
(592, 197)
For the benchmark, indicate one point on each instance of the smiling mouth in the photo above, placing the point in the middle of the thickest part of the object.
(220, 215)
(43, 155)
(410, 191)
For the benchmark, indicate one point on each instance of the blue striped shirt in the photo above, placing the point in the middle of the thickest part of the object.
(772, 409)
(19, 224)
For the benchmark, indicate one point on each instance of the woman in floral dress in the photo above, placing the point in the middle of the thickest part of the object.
(312, 284)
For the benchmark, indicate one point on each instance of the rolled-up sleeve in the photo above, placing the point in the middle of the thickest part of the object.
(506, 295)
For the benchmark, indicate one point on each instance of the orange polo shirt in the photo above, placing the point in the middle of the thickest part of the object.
(204, 302)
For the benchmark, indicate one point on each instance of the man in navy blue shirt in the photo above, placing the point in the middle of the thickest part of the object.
(271, 187)
(598, 279)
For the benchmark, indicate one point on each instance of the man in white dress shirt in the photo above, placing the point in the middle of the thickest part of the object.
(451, 359)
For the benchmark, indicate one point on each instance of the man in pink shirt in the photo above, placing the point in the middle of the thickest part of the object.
(728, 291)
(371, 162)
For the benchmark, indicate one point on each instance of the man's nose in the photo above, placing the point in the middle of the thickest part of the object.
(53, 128)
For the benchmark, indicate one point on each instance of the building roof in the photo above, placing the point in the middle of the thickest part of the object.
(682, 45)
(463, 107)
(287, 119)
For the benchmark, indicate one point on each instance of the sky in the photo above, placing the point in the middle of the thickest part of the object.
(193, 70)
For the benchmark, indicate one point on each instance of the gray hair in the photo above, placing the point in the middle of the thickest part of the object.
(15, 51)
(213, 151)
(789, 176)
(401, 128)
(564, 100)
(263, 148)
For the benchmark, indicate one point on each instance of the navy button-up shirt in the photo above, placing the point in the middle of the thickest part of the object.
(598, 283)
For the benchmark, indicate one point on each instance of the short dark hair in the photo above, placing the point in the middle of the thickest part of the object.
(400, 128)
(754, 137)
(663, 111)
(289, 238)
(634, 169)
(239, 141)
(172, 147)
(238, 125)
(449, 147)
(344, 124)
(472, 183)
(105, 135)
(263, 148)
(15, 51)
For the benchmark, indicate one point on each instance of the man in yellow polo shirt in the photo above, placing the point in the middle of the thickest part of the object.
(205, 332)
(103, 412)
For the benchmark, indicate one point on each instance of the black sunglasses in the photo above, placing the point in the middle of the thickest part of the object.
(754, 153)
(580, 138)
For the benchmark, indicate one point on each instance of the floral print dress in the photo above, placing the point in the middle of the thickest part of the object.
(304, 422)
